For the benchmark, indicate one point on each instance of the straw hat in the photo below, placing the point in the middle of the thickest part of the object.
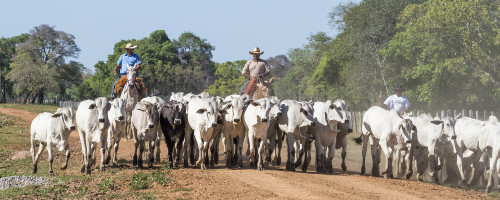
(256, 50)
(129, 46)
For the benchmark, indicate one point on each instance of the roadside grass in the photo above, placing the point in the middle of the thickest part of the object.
(181, 190)
(38, 108)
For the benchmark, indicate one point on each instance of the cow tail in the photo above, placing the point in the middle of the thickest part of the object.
(359, 139)
(364, 128)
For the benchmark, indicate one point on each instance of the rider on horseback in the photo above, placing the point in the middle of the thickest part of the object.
(129, 58)
(255, 70)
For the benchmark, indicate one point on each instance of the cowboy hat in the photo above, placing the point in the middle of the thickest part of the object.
(398, 87)
(256, 50)
(129, 46)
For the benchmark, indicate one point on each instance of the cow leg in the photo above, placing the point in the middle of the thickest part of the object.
(271, 135)
(363, 154)
(205, 152)
(477, 168)
(247, 139)
(170, 147)
(277, 158)
(240, 150)
(152, 148)
(68, 154)
(228, 144)
(157, 145)
(201, 151)
(493, 162)
(320, 154)
(388, 158)
(460, 159)
(291, 152)
(187, 145)
(134, 160)
(262, 153)
(109, 144)
(375, 151)
(103, 153)
(344, 154)
(116, 144)
(37, 156)
(298, 157)
(251, 146)
(83, 141)
(141, 152)
(329, 160)
(307, 154)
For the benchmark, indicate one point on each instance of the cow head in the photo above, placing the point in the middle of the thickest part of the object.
(101, 106)
(118, 109)
(150, 111)
(262, 107)
(67, 116)
(173, 112)
(406, 130)
(208, 109)
(275, 108)
(448, 129)
(234, 106)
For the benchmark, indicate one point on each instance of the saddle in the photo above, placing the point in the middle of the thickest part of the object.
(251, 87)
(141, 87)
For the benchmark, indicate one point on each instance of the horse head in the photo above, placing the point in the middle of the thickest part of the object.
(131, 75)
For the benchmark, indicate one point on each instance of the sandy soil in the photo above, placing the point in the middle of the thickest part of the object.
(272, 183)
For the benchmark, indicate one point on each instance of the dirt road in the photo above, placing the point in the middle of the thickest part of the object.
(273, 182)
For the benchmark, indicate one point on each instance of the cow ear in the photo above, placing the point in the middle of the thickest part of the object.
(304, 111)
(255, 103)
(436, 122)
(140, 106)
(228, 105)
(56, 115)
(332, 106)
(92, 106)
(222, 112)
(201, 111)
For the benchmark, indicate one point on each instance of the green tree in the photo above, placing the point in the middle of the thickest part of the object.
(7, 51)
(228, 79)
(448, 52)
(39, 65)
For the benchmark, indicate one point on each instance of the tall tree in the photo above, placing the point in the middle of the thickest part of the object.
(228, 78)
(39, 61)
(7, 51)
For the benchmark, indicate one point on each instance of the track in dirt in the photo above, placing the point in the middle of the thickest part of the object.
(275, 183)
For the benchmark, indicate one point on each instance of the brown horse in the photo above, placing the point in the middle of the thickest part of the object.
(264, 89)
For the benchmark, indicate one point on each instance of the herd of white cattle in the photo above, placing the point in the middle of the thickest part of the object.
(193, 124)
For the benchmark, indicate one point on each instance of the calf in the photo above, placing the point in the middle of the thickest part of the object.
(116, 115)
(202, 118)
(173, 123)
(159, 103)
(432, 135)
(143, 130)
(52, 129)
(274, 135)
(293, 122)
(256, 121)
(387, 129)
(233, 129)
(327, 116)
(92, 120)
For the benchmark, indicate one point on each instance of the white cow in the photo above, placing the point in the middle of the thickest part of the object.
(489, 141)
(467, 151)
(304, 145)
(274, 134)
(116, 116)
(256, 121)
(294, 122)
(202, 117)
(432, 135)
(327, 116)
(143, 130)
(159, 103)
(387, 129)
(92, 120)
(233, 129)
(52, 129)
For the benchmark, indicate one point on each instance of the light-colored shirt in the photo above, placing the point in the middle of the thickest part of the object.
(131, 60)
(398, 103)
(255, 68)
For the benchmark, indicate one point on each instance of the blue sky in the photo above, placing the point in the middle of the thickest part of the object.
(233, 27)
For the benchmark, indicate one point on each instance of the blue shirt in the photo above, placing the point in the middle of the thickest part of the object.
(398, 103)
(131, 60)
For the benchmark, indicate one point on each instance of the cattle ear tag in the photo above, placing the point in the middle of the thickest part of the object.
(56, 115)
(201, 111)
(92, 106)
